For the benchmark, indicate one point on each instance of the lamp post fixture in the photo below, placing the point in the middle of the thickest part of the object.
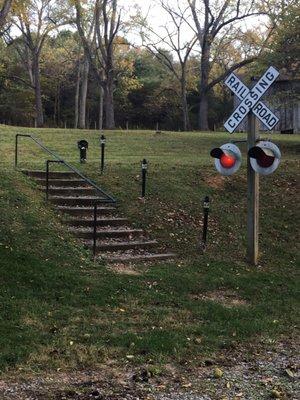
(103, 143)
(83, 145)
(144, 176)
(206, 208)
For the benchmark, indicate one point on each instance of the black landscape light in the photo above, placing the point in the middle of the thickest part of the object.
(144, 176)
(102, 143)
(83, 145)
(206, 208)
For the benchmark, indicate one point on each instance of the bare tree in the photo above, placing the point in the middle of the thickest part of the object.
(83, 92)
(210, 20)
(172, 37)
(101, 52)
(36, 20)
(5, 8)
(101, 106)
(77, 94)
(88, 25)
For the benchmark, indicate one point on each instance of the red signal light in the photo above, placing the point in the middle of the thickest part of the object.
(228, 158)
(227, 161)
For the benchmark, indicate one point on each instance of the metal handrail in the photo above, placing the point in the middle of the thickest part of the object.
(109, 199)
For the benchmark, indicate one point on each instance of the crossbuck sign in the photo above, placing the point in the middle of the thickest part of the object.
(251, 100)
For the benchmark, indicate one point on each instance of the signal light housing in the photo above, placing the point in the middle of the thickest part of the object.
(228, 158)
(264, 157)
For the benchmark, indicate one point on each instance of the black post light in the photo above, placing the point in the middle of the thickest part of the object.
(83, 145)
(144, 177)
(103, 143)
(206, 208)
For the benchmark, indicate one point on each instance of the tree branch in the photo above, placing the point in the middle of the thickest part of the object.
(229, 70)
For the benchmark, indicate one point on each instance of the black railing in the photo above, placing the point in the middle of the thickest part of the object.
(106, 197)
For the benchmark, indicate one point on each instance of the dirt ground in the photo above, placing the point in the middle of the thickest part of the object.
(262, 371)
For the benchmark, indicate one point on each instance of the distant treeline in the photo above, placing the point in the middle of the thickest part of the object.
(70, 63)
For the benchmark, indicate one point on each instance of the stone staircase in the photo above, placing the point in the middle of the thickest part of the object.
(116, 241)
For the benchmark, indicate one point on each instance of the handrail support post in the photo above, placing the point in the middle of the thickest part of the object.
(95, 230)
(16, 151)
(47, 180)
(48, 162)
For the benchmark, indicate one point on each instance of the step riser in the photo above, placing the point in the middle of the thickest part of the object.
(109, 222)
(101, 249)
(89, 213)
(71, 192)
(148, 258)
(62, 183)
(74, 202)
(106, 235)
(52, 175)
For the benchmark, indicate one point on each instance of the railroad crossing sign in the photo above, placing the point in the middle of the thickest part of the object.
(251, 100)
(259, 159)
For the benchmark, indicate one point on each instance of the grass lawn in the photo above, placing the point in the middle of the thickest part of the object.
(60, 310)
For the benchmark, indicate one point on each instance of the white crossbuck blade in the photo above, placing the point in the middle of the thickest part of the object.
(250, 100)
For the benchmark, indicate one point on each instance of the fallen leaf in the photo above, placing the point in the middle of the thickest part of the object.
(218, 373)
(275, 394)
(289, 373)
(187, 385)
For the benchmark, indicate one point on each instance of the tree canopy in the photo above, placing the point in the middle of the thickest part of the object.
(77, 63)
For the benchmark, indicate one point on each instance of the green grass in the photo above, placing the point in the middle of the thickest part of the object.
(60, 310)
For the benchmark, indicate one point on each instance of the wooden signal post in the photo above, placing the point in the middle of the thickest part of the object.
(253, 108)
(252, 196)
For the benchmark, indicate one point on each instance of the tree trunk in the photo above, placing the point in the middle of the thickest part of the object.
(204, 77)
(55, 112)
(6, 5)
(109, 102)
(184, 104)
(77, 93)
(203, 113)
(58, 104)
(37, 91)
(101, 103)
(83, 94)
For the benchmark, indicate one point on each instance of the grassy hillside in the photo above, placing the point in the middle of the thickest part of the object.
(60, 310)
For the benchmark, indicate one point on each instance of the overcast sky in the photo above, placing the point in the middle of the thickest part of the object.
(158, 18)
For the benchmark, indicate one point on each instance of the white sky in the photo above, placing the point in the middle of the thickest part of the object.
(157, 17)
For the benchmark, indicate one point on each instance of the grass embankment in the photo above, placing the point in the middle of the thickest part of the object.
(59, 310)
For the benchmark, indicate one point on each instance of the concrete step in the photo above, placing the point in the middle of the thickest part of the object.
(62, 182)
(71, 191)
(149, 257)
(76, 201)
(86, 211)
(76, 198)
(52, 175)
(121, 246)
(105, 233)
(89, 222)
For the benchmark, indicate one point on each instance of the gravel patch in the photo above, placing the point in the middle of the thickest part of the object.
(182, 396)
(260, 372)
